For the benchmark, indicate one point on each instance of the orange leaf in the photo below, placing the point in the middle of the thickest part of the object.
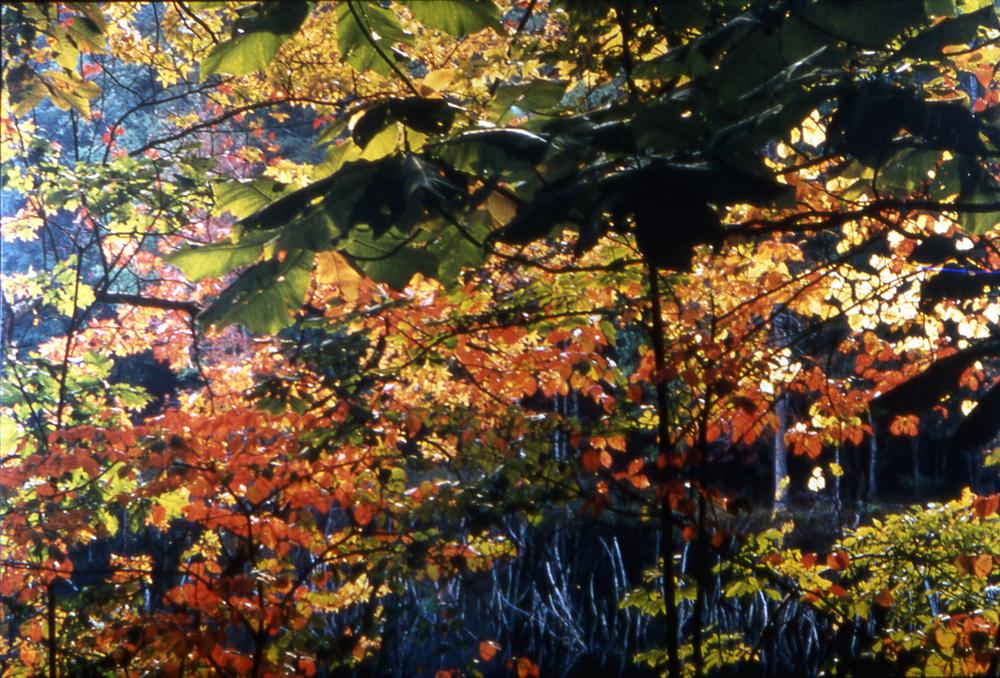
(772, 559)
(616, 442)
(363, 513)
(986, 506)
(526, 668)
(591, 461)
(979, 566)
(838, 560)
(884, 598)
(713, 432)
(414, 422)
(488, 650)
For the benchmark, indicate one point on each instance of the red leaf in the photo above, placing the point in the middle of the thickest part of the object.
(978, 566)
(884, 598)
(527, 668)
(488, 650)
(986, 506)
(838, 560)
(363, 514)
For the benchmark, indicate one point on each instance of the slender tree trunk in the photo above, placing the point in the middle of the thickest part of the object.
(52, 639)
(872, 461)
(780, 456)
(701, 581)
(838, 503)
(666, 514)
(701, 569)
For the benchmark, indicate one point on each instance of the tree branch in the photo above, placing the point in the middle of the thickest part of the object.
(188, 307)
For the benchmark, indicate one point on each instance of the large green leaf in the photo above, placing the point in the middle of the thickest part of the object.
(243, 198)
(907, 170)
(388, 258)
(265, 297)
(212, 261)
(960, 30)
(257, 38)
(457, 17)
(359, 24)
(866, 23)
(423, 114)
(503, 153)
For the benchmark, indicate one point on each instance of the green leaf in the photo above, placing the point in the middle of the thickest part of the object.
(241, 198)
(212, 261)
(132, 397)
(454, 251)
(427, 115)
(981, 221)
(315, 232)
(907, 170)
(360, 23)
(173, 502)
(9, 435)
(258, 38)
(495, 152)
(265, 297)
(457, 17)
(537, 96)
(960, 30)
(336, 156)
(867, 23)
(108, 520)
(940, 7)
(386, 258)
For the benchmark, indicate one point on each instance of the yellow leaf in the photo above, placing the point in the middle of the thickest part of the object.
(440, 80)
(945, 638)
(332, 269)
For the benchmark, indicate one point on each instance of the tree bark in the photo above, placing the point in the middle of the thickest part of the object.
(872, 461)
(780, 456)
(666, 513)
(53, 644)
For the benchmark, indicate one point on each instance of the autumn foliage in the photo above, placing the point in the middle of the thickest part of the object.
(323, 322)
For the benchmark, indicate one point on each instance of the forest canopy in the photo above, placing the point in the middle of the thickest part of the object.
(500, 337)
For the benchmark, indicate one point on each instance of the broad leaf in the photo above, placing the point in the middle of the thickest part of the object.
(960, 30)
(265, 297)
(257, 38)
(212, 261)
(359, 24)
(457, 17)
(927, 388)
(243, 198)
